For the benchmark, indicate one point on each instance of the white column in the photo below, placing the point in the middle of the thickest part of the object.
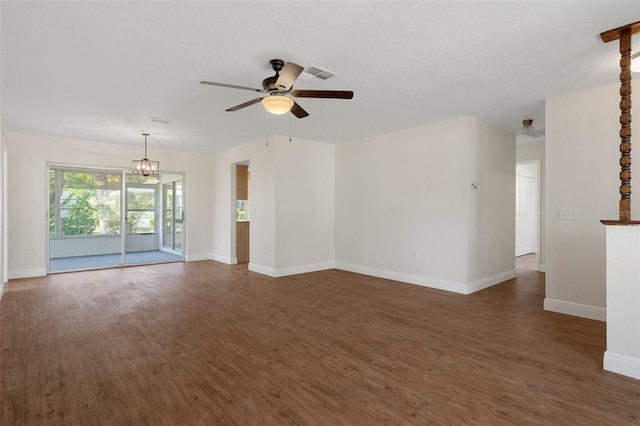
(623, 301)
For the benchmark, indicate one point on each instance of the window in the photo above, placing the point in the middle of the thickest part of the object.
(141, 208)
(83, 202)
(242, 210)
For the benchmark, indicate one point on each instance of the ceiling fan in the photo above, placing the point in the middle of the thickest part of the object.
(529, 130)
(279, 86)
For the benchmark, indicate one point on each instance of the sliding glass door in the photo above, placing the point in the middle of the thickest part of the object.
(172, 232)
(142, 207)
(84, 218)
(104, 218)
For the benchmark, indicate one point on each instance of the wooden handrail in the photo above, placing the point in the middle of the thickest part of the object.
(614, 34)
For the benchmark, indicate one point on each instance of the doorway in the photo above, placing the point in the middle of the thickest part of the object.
(242, 217)
(173, 213)
(528, 212)
(100, 218)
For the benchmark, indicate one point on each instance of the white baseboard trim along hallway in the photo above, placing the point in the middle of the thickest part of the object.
(455, 287)
(575, 309)
(621, 364)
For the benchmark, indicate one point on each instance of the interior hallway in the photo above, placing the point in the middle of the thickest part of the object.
(528, 262)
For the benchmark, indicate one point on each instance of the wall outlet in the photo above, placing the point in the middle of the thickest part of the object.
(569, 214)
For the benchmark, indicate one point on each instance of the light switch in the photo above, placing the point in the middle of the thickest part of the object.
(569, 214)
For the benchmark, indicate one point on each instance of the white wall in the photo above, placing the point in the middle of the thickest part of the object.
(3, 209)
(28, 201)
(534, 151)
(305, 205)
(529, 151)
(582, 170)
(404, 205)
(262, 204)
(528, 170)
(82, 245)
(623, 301)
(292, 213)
(491, 240)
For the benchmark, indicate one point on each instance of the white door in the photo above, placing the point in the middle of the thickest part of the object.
(526, 214)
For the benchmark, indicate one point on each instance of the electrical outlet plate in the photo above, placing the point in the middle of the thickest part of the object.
(569, 214)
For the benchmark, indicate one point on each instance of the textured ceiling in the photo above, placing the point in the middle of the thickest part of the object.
(100, 70)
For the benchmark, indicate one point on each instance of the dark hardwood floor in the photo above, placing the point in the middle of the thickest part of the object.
(206, 343)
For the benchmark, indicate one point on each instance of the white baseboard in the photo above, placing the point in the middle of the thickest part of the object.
(293, 270)
(452, 286)
(1, 289)
(27, 273)
(490, 281)
(438, 284)
(405, 278)
(222, 259)
(622, 364)
(271, 272)
(575, 309)
(303, 269)
(197, 257)
(543, 267)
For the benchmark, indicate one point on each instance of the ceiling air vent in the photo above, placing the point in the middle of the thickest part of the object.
(319, 72)
(159, 120)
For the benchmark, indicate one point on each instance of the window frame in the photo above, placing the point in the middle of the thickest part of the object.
(156, 202)
(58, 192)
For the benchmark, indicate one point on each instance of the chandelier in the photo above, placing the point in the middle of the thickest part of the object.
(145, 167)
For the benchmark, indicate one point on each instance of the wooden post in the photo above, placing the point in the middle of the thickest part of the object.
(623, 241)
(625, 125)
(624, 35)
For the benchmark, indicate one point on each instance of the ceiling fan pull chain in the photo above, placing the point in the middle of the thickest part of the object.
(289, 128)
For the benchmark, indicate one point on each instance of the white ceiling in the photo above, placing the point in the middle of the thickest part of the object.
(100, 70)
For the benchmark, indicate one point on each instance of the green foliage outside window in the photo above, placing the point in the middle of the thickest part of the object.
(83, 203)
(89, 203)
(141, 204)
(241, 210)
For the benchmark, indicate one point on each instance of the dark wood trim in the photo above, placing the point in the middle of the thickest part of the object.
(242, 242)
(624, 35)
(614, 34)
(625, 125)
(620, 222)
(242, 182)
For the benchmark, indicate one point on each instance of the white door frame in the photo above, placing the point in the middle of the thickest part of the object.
(538, 164)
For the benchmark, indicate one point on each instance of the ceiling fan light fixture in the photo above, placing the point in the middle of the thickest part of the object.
(277, 104)
(635, 62)
(527, 127)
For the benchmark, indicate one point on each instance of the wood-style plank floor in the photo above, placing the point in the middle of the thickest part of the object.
(207, 343)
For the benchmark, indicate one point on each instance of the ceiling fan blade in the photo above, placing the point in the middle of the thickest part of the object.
(298, 111)
(336, 94)
(232, 86)
(246, 104)
(288, 76)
